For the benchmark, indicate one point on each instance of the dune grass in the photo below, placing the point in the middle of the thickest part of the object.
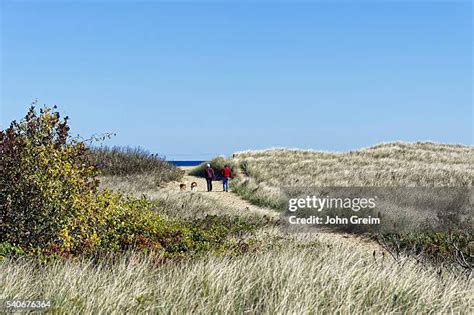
(306, 274)
(398, 164)
(128, 161)
(386, 165)
(217, 164)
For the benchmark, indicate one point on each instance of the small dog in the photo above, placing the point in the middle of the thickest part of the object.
(182, 187)
(194, 186)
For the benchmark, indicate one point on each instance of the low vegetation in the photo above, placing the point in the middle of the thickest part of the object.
(131, 162)
(277, 274)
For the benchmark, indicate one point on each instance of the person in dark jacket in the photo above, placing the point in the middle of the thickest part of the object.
(210, 176)
(226, 174)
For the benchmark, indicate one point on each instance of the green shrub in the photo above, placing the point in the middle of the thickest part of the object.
(457, 248)
(9, 250)
(44, 177)
(122, 223)
(124, 161)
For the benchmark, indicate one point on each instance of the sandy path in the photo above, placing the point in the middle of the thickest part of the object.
(232, 200)
(229, 199)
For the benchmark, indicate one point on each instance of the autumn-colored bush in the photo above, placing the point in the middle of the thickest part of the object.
(44, 179)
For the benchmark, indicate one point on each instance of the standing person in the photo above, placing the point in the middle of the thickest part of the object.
(210, 176)
(226, 174)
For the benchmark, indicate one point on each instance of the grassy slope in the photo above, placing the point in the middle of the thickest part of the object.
(394, 164)
(385, 165)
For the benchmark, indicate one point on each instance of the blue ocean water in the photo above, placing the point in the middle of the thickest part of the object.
(186, 163)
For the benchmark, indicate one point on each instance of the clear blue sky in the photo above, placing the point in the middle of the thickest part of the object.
(195, 79)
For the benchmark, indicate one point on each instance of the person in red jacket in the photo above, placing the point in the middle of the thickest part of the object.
(209, 175)
(226, 174)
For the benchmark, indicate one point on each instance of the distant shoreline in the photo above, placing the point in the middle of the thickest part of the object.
(186, 163)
